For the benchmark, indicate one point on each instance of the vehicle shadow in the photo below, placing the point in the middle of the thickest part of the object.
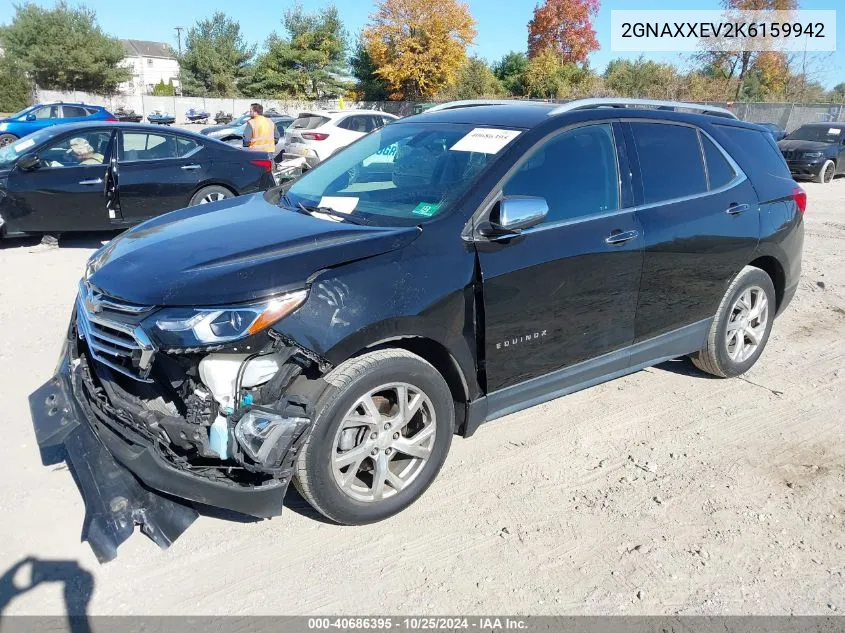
(30, 572)
(295, 502)
(684, 367)
(74, 240)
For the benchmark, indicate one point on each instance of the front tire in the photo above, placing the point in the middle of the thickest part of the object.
(6, 139)
(827, 172)
(741, 327)
(369, 456)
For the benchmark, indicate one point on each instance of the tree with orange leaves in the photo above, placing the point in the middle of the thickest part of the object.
(418, 46)
(564, 27)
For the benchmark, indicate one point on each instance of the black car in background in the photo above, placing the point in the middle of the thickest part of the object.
(100, 176)
(777, 131)
(815, 150)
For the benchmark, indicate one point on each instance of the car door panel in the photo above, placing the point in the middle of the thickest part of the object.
(566, 290)
(694, 244)
(153, 181)
(61, 198)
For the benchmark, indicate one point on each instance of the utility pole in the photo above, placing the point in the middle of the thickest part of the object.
(179, 44)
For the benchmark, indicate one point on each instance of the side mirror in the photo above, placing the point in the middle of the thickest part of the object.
(30, 117)
(29, 162)
(516, 213)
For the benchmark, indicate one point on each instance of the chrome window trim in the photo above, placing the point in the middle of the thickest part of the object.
(469, 232)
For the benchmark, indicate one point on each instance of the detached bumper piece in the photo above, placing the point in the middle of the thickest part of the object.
(115, 501)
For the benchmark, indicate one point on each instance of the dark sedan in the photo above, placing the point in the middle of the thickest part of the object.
(101, 176)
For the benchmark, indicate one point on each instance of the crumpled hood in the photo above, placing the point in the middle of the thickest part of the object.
(804, 146)
(232, 251)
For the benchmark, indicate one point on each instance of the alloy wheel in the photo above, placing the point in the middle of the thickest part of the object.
(747, 323)
(384, 441)
(828, 172)
(212, 197)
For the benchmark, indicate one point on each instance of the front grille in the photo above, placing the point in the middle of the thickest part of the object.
(111, 330)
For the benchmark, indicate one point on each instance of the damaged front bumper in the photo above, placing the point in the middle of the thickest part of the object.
(123, 479)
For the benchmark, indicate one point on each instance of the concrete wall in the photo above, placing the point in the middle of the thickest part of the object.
(177, 106)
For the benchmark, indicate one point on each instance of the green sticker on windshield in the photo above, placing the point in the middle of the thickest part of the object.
(427, 209)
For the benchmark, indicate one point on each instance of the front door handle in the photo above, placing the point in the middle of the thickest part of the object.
(620, 237)
(95, 181)
(190, 167)
(736, 209)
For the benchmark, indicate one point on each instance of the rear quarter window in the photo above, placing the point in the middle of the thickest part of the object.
(754, 150)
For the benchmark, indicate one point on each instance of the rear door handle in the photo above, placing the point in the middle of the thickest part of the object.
(95, 181)
(190, 167)
(620, 237)
(736, 209)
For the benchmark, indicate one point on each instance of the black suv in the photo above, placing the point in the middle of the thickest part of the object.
(815, 150)
(443, 271)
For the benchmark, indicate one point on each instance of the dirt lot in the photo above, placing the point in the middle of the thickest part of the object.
(665, 492)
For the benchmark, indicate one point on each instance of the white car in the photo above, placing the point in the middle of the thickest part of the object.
(317, 135)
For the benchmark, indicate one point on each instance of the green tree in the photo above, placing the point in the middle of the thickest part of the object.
(64, 48)
(309, 62)
(15, 90)
(837, 94)
(162, 89)
(216, 58)
(641, 78)
(510, 71)
(475, 80)
(368, 85)
(547, 78)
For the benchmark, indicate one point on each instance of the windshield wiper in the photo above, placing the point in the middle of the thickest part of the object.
(311, 210)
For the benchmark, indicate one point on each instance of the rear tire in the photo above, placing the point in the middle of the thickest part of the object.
(359, 431)
(5, 139)
(741, 327)
(827, 172)
(212, 193)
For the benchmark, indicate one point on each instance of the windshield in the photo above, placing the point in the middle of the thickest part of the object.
(404, 173)
(18, 115)
(11, 152)
(820, 133)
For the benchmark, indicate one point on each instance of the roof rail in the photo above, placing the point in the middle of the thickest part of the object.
(613, 102)
(468, 103)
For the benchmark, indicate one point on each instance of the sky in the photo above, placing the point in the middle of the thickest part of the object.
(502, 24)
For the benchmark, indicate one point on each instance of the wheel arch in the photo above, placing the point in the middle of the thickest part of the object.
(770, 265)
(213, 183)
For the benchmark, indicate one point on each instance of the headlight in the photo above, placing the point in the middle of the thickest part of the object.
(192, 327)
(812, 154)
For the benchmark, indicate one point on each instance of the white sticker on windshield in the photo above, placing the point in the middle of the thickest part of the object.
(485, 140)
(341, 204)
(834, 131)
(24, 145)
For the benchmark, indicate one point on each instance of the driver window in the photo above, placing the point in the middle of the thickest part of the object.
(83, 148)
(47, 112)
(575, 172)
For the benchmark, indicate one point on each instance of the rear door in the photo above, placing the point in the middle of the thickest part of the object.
(565, 290)
(701, 223)
(158, 172)
(74, 114)
(66, 192)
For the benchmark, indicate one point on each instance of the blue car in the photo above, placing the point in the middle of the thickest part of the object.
(44, 115)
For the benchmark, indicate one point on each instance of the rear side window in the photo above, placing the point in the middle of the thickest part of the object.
(670, 161)
(141, 146)
(719, 170)
(754, 150)
(575, 172)
(186, 146)
(73, 112)
(309, 122)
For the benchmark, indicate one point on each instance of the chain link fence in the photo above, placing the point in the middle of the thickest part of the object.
(789, 116)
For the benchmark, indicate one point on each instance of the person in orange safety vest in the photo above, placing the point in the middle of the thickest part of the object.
(260, 133)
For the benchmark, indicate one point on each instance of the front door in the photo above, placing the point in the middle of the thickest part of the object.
(66, 191)
(565, 290)
(156, 173)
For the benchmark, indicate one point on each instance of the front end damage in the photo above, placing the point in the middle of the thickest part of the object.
(150, 431)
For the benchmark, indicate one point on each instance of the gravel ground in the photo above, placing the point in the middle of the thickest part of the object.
(665, 492)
